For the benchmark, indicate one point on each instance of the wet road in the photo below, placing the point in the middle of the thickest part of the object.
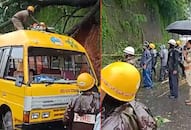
(175, 110)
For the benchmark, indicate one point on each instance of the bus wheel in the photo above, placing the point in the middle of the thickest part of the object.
(7, 121)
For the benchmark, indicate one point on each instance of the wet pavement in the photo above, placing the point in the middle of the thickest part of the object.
(173, 109)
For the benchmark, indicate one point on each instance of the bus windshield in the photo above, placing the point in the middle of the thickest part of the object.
(48, 65)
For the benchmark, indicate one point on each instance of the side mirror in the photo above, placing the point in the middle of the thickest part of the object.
(19, 81)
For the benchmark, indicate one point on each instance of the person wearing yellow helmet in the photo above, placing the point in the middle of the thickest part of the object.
(120, 82)
(178, 43)
(21, 18)
(146, 64)
(154, 55)
(152, 45)
(81, 112)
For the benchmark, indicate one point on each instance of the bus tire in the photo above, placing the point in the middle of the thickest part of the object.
(7, 121)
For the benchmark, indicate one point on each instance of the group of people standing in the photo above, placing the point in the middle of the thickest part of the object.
(179, 59)
(174, 59)
(112, 107)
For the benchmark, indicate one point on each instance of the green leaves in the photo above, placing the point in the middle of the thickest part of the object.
(161, 121)
(172, 9)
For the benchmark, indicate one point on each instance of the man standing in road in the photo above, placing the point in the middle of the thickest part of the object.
(173, 63)
(146, 64)
(154, 59)
(163, 57)
(21, 18)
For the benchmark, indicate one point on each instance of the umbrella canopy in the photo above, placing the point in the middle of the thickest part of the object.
(182, 27)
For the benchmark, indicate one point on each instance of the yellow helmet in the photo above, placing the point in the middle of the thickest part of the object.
(152, 45)
(85, 81)
(30, 8)
(178, 43)
(120, 80)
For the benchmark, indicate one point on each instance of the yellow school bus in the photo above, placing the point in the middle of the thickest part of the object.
(38, 72)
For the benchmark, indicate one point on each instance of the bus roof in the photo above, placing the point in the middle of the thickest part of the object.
(40, 39)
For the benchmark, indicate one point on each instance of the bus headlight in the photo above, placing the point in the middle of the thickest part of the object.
(45, 114)
(35, 115)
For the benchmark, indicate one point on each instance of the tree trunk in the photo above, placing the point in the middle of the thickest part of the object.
(74, 3)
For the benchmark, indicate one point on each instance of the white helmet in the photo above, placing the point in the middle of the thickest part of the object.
(172, 42)
(129, 50)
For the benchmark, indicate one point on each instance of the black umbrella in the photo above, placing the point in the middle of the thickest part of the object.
(182, 27)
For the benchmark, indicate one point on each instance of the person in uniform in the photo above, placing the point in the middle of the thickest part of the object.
(187, 68)
(120, 82)
(21, 18)
(180, 50)
(130, 55)
(154, 58)
(81, 112)
(146, 64)
(163, 58)
(173, 63)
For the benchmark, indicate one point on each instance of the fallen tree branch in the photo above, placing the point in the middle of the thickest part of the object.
(74, 3)
(85, 19)
(5, 24)
(73, 12)
(74, 16)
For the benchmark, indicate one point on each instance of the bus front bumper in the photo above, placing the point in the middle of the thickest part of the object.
(56, 125)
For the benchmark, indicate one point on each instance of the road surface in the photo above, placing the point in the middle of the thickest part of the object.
(175, 110)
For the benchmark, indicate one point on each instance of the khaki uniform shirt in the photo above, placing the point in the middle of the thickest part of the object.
(22, 15)
(81, 112)
(187, 67)
(187, 61)
(19, 19)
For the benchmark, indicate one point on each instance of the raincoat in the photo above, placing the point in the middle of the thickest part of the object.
(81, 112)
(146, 59)
(129, 116)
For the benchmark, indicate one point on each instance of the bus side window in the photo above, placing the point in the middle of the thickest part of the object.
(14, 65)
(4, 54)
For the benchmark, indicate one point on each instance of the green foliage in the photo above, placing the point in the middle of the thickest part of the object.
(172, 9)
(54, 16)
(120, 28)
(107, 33)
(9, 7)
(123, 22)
(58, 17)
(124, 3)
(139, 18)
